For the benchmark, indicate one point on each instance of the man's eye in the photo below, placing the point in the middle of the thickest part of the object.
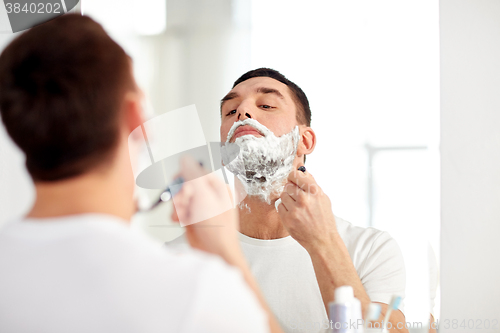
(231, 112)
(266, 106)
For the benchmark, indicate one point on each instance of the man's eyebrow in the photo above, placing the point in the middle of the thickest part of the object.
(261, 90)
(264, 90)
(228, 97)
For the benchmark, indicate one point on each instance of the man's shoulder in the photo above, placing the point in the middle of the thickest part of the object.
(100, 241)
(377, 258)
(111, 248)
(356, 235)
(367, 242)
(171, 283)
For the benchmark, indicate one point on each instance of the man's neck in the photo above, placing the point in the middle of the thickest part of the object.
(260, 220)
(106, 191)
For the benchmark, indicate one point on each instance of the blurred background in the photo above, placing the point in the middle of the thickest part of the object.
(369, 68)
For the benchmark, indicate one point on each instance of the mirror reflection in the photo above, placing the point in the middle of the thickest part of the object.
(334, 107)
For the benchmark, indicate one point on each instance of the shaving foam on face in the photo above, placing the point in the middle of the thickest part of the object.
(263, 164)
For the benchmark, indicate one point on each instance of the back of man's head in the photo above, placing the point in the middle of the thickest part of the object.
(300, 98)
(61, 88)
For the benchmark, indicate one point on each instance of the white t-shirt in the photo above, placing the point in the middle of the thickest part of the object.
(285, 273)
(91, 273)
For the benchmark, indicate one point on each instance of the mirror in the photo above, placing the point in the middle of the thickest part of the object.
(371, 74)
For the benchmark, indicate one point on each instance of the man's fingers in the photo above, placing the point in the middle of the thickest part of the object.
(217, 184)
(182, 202)
(301, 179)
(174, 216)
(292, 190)
(304, 180)
(190, 168)
(287, 201)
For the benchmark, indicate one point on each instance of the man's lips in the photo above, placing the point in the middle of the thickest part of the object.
(245, 130)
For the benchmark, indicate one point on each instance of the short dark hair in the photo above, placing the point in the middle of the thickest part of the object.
(61, 88)
(300, 98)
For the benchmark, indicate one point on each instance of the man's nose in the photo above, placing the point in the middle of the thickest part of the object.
(243, 115)
(244, 112)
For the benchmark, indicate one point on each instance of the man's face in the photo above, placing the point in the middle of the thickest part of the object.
(261, 98)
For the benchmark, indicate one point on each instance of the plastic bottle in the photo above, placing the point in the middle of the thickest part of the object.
(345, 312)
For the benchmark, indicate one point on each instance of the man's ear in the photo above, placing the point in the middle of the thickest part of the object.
(307, 141)
(133, 111)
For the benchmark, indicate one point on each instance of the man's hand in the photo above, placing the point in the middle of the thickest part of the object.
(306, 212)
(206, 195)
(217, 234)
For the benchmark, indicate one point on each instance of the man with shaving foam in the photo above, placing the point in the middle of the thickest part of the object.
(297, 249)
